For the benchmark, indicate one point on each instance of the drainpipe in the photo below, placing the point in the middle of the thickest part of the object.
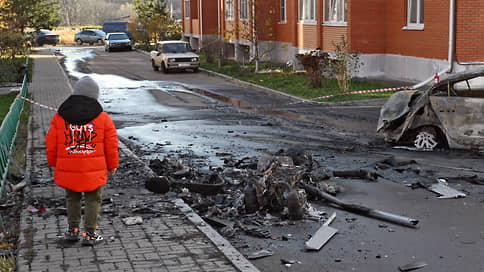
(451, 47)
(201, 26)
(218, 19)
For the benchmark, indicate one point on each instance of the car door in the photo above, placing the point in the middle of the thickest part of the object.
(91, 36)
(461, 111)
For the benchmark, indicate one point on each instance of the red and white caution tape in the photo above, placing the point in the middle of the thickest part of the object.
(364, 92)
(37, 103)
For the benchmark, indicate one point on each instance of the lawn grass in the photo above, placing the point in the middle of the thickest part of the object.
(296, 84)
(5, 102)
(9, 69)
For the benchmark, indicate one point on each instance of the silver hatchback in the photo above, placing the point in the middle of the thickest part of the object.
(90, 36)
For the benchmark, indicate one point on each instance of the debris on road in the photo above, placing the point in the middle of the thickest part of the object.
(358, 209)
(322, 235)
(445, 191)
(260, 254)
(134, 220)
(412, 266)
(360, 173)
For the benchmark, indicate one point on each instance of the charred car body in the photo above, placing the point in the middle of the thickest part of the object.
(448, 114)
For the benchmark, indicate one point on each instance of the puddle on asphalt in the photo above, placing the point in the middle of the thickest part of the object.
(131, 104)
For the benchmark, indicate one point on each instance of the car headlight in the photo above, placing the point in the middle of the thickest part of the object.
(194, 59)
(172, 60)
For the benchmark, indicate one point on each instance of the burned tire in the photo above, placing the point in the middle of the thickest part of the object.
(428, 138)
(79, 42)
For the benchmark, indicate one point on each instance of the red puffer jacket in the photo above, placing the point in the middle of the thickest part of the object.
(82, 144)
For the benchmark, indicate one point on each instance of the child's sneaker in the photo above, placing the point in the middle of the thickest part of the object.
(71, 234)
(91, 239)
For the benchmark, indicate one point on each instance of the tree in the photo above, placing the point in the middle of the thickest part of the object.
(256, 28)
(94, 12)
(344, 64)
(36, 14)
(154, 17)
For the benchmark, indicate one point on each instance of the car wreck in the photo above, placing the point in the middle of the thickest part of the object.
(448, 114)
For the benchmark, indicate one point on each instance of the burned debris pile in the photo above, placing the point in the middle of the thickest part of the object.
(251, 193)
(247, 186)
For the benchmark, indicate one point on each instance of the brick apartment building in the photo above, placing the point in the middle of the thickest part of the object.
(408, 40)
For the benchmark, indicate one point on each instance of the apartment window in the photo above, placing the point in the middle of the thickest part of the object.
(307, 10)
(335, 11)
(244, 9)
(186, 8)
(415, 14)
(282, 16)
(229, 9)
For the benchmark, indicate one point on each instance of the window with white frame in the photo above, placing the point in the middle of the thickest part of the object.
(186, 8)
(282, 16)
(229, 10)
(307, 10)
(335, 11)
(415, 13)
(244, 9)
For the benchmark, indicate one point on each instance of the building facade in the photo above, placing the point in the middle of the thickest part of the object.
(409, 40)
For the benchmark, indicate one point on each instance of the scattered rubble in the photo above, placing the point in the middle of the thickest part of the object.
(412, 266)
(260, 254)
(134, 220)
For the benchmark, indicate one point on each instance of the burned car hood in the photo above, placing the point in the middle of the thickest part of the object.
(395, 108)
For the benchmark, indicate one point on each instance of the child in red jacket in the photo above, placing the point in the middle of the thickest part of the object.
(82, 145)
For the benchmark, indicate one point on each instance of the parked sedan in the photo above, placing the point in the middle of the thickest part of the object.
(90, 36)
(174, 56)
(46, 37)
(447, 114)
(117, 40)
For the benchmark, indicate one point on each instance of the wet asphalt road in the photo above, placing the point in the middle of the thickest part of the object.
(449, 237)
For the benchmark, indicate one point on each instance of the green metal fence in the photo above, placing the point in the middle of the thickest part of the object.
(8, 132)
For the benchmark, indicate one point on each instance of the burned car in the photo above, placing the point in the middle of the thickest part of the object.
(447, 114)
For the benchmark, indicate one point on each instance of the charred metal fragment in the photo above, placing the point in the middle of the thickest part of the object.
(358, 209)
(360, 173)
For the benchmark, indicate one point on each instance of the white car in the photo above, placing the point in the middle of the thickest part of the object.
(174, 55)
(117, 40)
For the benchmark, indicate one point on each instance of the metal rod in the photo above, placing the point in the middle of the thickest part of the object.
(362, 210)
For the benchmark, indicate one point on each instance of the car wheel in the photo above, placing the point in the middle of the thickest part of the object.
(428, 138)
(155, 68)
(79, 42)
(163, 68)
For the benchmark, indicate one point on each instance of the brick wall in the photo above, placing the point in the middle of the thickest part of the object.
(366, 25)
(287, 32)
(210, 19)
(332, 34)
(376, 26)
(470, 30)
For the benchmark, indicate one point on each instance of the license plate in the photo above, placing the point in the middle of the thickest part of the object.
(184, 64)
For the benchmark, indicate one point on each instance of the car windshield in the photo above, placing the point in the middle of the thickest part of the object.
(100, 33)
(120, 36)
(46, 32)
(175, 48)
